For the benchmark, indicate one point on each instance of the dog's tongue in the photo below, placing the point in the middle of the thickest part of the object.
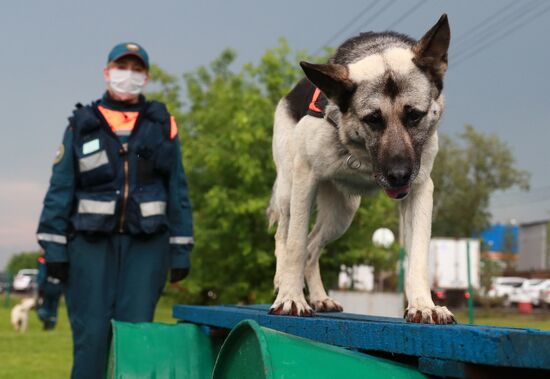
(397, 193)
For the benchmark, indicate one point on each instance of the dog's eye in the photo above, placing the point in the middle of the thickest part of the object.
(413, 116)
(374, 120)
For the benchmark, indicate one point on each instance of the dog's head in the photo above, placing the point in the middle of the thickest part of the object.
(387, 88)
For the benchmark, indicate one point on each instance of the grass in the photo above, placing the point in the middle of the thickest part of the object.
(39, 354)
(507, 318)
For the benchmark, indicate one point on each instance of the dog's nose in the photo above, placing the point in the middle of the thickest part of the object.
(399, 176)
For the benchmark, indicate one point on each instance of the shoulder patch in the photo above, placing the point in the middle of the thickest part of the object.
(59, 154)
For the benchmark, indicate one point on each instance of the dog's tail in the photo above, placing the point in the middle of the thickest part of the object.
(272, 211)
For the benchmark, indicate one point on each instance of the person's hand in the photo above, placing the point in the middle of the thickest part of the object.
(58, 270)
(177, 274)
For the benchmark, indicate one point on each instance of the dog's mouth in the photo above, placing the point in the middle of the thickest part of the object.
(398, 193)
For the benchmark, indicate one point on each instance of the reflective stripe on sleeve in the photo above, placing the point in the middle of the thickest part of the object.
(182, 240)
(93, 161)
(47, 237)
(153, 208)
(96, 207)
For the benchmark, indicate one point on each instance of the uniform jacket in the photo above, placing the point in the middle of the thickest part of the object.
(102, 183)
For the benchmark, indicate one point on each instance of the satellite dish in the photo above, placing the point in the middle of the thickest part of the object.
(383, 237)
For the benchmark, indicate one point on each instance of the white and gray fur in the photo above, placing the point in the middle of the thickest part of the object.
(20, 314)
(384, 93)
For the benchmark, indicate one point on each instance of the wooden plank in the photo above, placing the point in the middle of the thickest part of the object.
(512, 347)
(440, 367)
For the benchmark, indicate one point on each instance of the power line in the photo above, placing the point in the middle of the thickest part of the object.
(406, 14)
(494, 26)
(538, 195)
(497, 38)
(481, 25)
(388, 4)
(522, 204)
(346, 26)
(545, 189)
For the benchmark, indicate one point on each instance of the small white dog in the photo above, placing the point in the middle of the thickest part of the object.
(20, 314)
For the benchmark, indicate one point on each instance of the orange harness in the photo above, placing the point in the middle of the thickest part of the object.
(318, 105)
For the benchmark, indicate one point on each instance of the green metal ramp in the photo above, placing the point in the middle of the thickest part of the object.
(187, 351)
(153, 350)
(254, 352)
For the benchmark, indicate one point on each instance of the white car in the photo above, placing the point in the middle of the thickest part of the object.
(503, 286)
(529, 291)
(25, 279)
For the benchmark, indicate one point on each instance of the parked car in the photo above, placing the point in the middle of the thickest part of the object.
(529, 291)
(545, 296)
(502, 286)
(5, 281)
(25, 279)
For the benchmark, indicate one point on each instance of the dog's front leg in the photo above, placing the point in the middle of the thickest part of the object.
(290, 297)
(416, 213)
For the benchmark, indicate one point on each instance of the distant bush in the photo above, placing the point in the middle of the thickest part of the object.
(22, 260)
(487, 301)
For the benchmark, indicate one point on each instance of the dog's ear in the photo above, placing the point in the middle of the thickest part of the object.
(332, 80)
(431, 51)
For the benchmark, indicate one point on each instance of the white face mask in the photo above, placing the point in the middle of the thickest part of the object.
(126, 83)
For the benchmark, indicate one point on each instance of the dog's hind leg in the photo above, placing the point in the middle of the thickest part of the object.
(24, 323)
(335, 212)
(290, 297)
(280, 207)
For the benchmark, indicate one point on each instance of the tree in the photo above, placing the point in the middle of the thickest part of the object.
(466, 172)
(22, 260)
(509, 239)
(226, 139)
(356, 246)
(489, 268)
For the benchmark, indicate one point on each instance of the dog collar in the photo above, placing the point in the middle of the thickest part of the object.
(353, 162)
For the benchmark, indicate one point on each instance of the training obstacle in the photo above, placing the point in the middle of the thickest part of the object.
(439, 350)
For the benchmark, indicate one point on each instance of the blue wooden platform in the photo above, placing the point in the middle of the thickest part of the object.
(444, 350)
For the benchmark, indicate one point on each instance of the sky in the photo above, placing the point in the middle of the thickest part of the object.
(53, 53)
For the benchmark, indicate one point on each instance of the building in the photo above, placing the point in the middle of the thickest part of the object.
(526, 244)
(534, 246)
(501, 241)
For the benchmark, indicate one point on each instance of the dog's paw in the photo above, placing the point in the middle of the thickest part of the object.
(430, 315)
(291, 307)
(326, 305)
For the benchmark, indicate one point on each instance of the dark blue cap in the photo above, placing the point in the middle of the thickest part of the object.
(128, 48)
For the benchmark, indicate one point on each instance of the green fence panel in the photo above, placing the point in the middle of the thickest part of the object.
(254, 352)
(153, 350)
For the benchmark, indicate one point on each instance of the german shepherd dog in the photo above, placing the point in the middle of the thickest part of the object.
(383, 95)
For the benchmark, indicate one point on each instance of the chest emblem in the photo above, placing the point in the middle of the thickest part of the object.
(90, 146)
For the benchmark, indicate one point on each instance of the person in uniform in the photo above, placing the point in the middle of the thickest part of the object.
(116, 217)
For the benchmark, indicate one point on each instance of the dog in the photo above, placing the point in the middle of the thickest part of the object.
(364, 121)
(20, 314)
